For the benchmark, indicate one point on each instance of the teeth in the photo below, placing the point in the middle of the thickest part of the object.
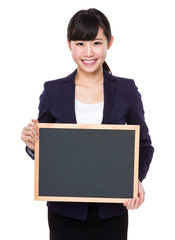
(89, 61)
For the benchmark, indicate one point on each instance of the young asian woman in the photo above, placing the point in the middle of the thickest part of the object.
(91, 94)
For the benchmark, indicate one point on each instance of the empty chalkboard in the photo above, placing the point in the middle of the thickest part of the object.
(86, 163)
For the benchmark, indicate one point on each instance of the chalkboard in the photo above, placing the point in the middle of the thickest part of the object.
(86, 162)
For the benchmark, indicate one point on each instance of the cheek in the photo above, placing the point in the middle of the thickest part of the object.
(75, 53)
(102, 52)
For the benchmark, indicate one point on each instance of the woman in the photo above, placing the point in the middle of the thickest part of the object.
(91, 94)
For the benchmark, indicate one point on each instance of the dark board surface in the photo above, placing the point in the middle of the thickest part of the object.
(86, 163)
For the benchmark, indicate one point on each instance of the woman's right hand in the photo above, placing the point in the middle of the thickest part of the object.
(30, 134)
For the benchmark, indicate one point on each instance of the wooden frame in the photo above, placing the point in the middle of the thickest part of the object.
(135, 128)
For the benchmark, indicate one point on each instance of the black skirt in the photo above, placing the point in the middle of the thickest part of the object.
(63, 228)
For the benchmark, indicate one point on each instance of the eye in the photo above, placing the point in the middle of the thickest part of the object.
(97, 43)
(80, 44)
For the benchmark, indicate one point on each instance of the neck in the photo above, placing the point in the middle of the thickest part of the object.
(89, 79)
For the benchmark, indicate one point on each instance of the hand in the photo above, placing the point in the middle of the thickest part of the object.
(30, 134)
(136, 203)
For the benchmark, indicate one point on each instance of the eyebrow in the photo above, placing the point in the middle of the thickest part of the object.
(90, 40)
(98, 39)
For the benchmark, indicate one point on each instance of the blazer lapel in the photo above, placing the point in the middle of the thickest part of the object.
(109, 94)
(68, 91)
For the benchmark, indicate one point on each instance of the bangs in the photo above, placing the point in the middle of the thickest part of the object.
(84, 28)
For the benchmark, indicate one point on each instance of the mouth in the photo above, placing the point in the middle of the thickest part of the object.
(89, 62)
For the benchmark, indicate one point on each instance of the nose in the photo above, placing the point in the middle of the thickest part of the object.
(88, 50)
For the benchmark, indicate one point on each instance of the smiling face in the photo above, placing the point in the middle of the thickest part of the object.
(90, 55)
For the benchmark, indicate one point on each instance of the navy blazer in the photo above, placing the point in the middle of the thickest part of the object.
(122, 105)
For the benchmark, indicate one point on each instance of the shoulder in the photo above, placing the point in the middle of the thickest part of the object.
(127, 88)
(116, 79)
(122, 80)
(121, 83)
(56, 83)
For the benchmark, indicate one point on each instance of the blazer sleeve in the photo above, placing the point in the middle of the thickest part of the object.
(136, 117)
(30, 152)
(44, 115)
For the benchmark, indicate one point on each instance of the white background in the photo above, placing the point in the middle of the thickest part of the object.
(33, 49)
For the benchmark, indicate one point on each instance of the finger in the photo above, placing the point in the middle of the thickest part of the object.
(34, 124)
(132, 206)
(30, 131)
(128, 204)
(125, 203)
(29, 134)
(142, 200)
(33, 128)
(142, 196)
(27, 139)
(28, 142)
(141, 193)
(137, 204)
(35, 131)
(35, 121)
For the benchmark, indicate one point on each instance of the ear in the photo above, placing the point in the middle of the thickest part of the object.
(69, 44)
(110, 42)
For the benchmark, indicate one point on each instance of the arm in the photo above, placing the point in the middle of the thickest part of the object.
(30, 133)
(44, 115)
(136, 117)
(30, 136)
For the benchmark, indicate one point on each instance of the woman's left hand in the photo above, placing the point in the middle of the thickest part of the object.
(133, 203)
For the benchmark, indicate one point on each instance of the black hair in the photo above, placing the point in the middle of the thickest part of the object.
(84, 25)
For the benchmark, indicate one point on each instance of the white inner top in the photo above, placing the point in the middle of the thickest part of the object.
(89, 113)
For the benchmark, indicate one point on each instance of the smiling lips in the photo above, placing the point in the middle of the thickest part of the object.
(89, 62)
